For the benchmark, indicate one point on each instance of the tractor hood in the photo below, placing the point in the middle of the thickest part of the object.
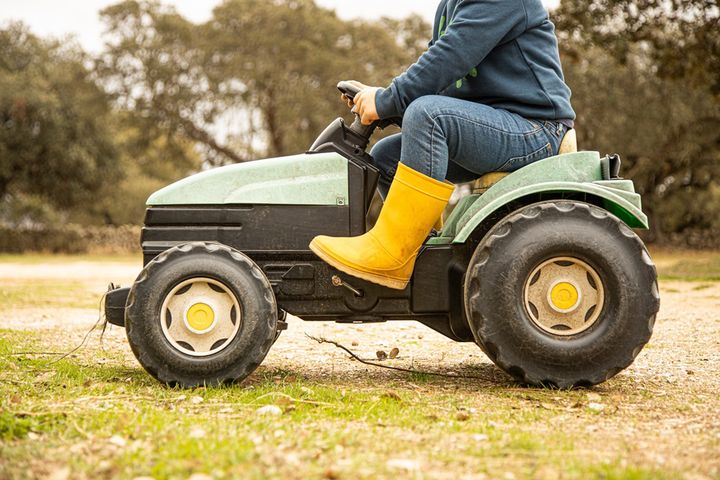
(307, 179)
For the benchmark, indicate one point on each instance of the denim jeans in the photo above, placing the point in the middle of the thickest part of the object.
(453, 139)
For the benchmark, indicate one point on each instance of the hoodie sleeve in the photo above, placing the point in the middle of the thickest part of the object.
(477, 27)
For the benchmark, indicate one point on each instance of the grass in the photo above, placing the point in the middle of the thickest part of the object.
(48, 294)
(97, 414)
(119, 423)
(55, 259)
(116, 416)
(701, 266)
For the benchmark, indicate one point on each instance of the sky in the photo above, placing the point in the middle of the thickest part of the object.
(80, 17)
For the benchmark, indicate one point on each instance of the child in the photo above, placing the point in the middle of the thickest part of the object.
(488, 95)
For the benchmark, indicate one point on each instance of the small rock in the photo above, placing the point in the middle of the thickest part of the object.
(200, 476)
(596, 407)
(197, 432)
(403, 464)
(197, 399)
(381, 355)
(32, 436)
(355, 344)
(59, 474)
(480, 437)
(593, 397)
(394, 353)
(272, 410)
(118, 441)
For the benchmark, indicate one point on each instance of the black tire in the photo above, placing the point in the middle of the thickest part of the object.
(241, 276)
(498, 274)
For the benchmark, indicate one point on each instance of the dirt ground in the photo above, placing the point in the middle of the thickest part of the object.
(663, 412)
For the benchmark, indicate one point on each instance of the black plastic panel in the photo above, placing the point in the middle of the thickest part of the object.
(115, 306)
(257, 228)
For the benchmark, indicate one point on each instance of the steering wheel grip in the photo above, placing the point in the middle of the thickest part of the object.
(348, 89)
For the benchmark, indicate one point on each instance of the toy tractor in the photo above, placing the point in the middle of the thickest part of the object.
(540, 267)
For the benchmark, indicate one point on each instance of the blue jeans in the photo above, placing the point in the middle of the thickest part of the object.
(453, 139)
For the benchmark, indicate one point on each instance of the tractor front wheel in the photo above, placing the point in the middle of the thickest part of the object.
(201, 314)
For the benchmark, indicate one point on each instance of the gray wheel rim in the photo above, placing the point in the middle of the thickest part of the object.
(200, 317)
(564, 296)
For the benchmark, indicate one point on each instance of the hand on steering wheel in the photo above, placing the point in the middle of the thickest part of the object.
(361, 98)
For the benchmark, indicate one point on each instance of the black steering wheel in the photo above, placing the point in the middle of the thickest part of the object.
(350, 90)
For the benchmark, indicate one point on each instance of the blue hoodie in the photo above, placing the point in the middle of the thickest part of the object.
(501, 53)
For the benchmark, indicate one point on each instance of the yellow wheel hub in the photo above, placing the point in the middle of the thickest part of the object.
(200, 317)
(564, 296)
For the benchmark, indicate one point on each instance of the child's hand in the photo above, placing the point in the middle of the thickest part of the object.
(346, 99)
(365, 105)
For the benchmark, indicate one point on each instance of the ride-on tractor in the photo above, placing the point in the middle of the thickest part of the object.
(539, 267)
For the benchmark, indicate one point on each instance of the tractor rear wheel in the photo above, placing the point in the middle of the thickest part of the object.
(561, 293)
(201, 314)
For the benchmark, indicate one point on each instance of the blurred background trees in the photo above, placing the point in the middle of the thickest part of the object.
(645, 76)
(85, 139)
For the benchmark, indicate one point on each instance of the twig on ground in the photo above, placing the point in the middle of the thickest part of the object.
(293, 399)
(80, 430)
(101, 321)
(389, 367)
(22, 354)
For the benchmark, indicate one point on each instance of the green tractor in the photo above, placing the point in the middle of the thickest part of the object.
(541, 267)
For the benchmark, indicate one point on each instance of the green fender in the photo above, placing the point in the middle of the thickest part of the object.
(570, 173)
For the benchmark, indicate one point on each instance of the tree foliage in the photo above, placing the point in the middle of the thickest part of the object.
(92, 137)
(55, 142)
(645, 76)
(267, 67)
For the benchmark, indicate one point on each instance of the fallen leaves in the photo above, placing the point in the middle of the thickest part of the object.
(382, 355)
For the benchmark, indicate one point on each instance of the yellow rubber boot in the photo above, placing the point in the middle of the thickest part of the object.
(386, 254)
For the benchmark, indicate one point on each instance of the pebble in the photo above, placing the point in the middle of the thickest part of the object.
(272, 410)
(403, 464)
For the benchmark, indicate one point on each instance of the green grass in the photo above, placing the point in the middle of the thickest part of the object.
(100, 415)
(55, 259)
(701, 266)
(48, 294)
(116, 416)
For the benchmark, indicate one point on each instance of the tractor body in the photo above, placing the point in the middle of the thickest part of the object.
(539, 267)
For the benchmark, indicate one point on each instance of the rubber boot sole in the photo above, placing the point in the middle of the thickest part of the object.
(385, 281)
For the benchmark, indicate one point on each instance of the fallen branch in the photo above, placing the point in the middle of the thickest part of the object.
(389, 367)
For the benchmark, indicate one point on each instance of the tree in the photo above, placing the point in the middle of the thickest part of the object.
(269, 66)
(680, 37)
(55, 145)
(646, 83)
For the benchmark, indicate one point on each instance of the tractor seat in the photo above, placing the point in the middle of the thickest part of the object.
(482, 184)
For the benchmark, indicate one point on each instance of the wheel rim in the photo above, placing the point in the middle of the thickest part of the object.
(564, 296)
(200, 317)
